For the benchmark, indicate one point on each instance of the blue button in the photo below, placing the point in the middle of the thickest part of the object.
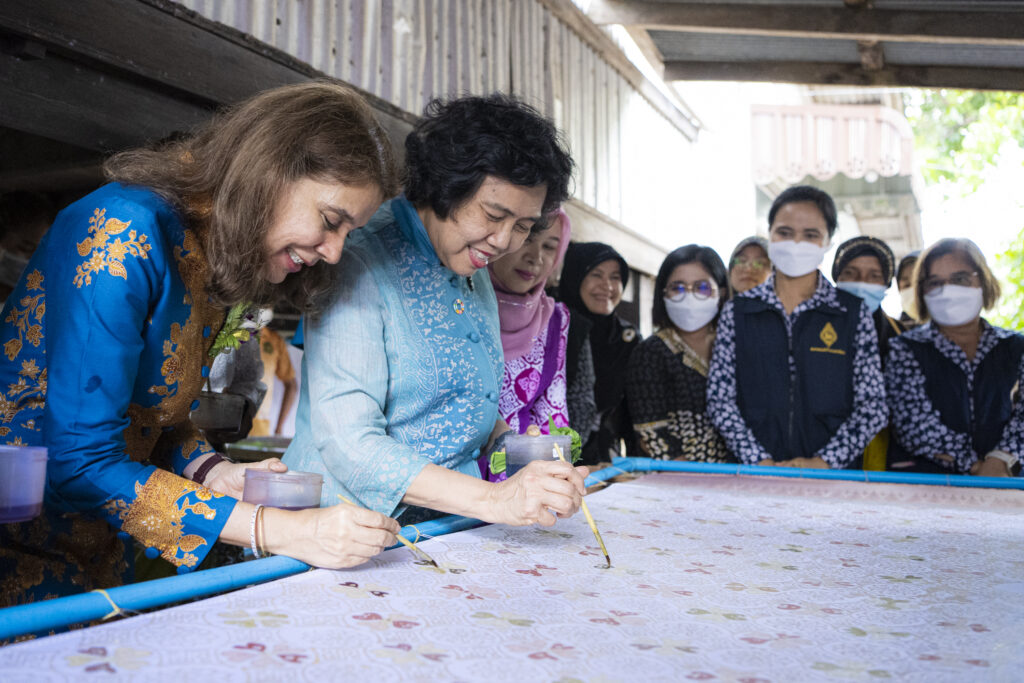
(492, 397)
(205, 372)
(195, 404)
(152, 553)
(206, 331)
(183, 569)
(473, 337)
(123, 535)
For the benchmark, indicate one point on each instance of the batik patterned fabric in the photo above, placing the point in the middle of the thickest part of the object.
(533, 386)
(714, 578)
(916, 421)
(870, 413)
(105, 349)
(666, 387)
(402, 370)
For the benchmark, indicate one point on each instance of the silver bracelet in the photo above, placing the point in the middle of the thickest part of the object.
(252, 531)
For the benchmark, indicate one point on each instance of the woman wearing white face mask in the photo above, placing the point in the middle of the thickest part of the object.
(951, 381)
(795, 377)
(666, 380)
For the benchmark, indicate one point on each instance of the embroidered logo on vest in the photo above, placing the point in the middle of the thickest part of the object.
(828, 337)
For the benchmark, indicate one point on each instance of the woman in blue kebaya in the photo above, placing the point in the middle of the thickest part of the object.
(108, 337)
(402, 373)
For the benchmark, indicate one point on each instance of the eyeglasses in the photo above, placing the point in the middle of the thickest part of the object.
(753, 264)
(934, 285)
(701, 289)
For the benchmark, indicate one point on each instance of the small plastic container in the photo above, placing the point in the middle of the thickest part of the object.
(285, 490)
(521, 449)
(22, 480)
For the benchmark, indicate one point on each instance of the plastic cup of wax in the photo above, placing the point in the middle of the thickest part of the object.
(22, 479)
(522, 449)
(285, 490)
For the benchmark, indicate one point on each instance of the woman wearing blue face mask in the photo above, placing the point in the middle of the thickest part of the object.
(666, 381)
(951, 381)
(864, 266)
(795, 377)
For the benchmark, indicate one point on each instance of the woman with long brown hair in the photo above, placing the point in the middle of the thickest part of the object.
(111, 332)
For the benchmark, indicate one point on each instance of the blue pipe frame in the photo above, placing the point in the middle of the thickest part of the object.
(58, 613)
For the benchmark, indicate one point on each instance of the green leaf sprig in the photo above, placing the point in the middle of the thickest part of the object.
(235, 331)
(575, 443)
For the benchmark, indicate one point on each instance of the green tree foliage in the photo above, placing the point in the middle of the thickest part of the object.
(960, 133)
(961, 136)
(1011, 308)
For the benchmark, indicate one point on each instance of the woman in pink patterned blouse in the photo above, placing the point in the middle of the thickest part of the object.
(534, 329)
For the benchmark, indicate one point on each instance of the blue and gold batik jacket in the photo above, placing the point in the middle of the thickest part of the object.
(105, 348)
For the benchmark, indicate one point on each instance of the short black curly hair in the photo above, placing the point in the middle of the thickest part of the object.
(458, 143)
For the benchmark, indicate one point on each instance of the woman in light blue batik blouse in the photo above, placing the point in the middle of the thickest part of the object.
(401, 374)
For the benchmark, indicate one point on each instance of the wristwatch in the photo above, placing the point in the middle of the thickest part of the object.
(1011, 460)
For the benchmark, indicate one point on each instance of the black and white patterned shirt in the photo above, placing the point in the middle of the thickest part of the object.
(916, 422)
(869, 415)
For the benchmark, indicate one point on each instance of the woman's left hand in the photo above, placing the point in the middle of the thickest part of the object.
(229, 478)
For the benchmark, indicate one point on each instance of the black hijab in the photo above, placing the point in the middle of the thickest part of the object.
(611, 338)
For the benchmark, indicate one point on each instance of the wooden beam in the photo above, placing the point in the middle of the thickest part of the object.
(166, 43)
(647, 48)
(973, 78)
(805, 21)
(82, 106)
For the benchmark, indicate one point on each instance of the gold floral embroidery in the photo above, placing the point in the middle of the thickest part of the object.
(155, 516)
(106, 254)
(27, 316)
(54, 548)
(185, 355)
(29, 391)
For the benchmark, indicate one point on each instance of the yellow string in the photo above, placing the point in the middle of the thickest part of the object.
(416, 529)
(117, 609)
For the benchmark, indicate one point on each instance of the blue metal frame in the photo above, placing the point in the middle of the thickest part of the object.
(42, 617)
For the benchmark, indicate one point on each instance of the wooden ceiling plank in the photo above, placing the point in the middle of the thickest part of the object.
(974, 78)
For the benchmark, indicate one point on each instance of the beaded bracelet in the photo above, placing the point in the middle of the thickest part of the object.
(252, 531)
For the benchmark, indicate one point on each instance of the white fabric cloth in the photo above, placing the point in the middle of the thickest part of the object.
(714, 576)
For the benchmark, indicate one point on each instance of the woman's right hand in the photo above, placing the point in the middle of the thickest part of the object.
(334, 537)
(532, 494)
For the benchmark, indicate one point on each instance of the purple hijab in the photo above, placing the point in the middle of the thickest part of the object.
(523, 316)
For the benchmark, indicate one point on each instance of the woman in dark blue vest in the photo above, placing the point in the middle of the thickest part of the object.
(951, 382)
(795, 377)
